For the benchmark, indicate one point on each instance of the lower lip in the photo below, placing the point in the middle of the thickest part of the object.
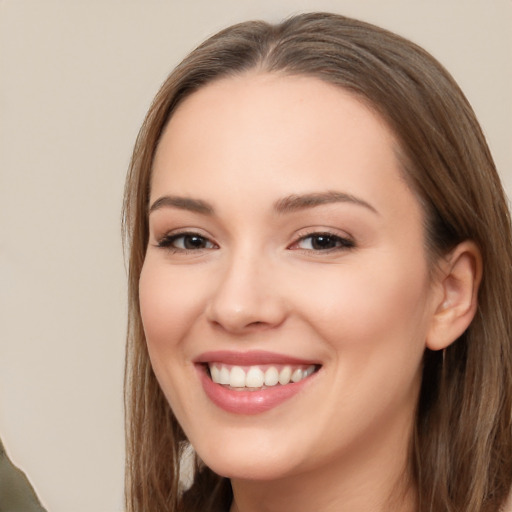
(248, 402)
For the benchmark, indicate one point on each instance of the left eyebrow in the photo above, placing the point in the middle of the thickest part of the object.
(296, 202)
(182, 203)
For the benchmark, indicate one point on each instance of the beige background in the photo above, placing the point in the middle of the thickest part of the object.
(75, 81)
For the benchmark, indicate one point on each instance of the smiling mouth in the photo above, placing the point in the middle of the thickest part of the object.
(253, 382)
(258, 377)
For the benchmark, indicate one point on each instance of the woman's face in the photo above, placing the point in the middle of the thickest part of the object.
(286, 261)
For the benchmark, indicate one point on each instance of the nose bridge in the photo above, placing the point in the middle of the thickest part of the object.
(245, 297)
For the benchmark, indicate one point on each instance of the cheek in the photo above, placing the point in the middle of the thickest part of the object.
(365, 307)
(168, 304)
(375, 325)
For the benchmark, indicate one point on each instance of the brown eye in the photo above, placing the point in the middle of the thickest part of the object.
(323, 242)
(186, 242)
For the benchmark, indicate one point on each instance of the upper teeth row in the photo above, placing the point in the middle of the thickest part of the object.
(255, 377)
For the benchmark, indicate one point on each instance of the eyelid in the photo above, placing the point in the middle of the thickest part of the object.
(347, 241)
(165, 241)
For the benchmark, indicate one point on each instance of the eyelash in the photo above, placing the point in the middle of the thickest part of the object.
(168, 241)
(340, 243)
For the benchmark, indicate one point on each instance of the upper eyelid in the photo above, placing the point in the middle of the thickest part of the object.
(167, 241)
(349, 242)
(182, 232)
(328, 232)
(179, 234)
(306, 232)
(299, 234)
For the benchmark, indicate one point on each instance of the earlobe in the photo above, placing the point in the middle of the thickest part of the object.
(459, 278)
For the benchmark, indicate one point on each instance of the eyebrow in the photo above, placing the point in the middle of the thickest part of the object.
(288, 204)
(295, 202)
(183, 203)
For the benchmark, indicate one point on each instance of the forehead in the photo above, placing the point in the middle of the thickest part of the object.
(283, 134)
(260, 102)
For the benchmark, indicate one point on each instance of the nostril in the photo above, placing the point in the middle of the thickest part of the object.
(258, 325)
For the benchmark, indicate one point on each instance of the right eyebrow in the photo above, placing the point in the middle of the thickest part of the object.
(183, 203)
(301, 202)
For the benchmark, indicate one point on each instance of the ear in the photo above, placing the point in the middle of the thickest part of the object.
(458, 279)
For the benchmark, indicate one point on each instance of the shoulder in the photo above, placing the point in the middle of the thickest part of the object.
(16, 493)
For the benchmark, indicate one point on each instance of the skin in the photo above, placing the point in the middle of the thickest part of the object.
(364, 310)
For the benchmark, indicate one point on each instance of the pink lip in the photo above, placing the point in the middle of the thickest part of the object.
(250, 358)
(248, 402)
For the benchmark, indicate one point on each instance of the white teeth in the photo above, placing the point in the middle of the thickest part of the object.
(297, 375)
(237, 377)
(308, 371)
(271, 376)
(285, 375)
(255, 377)
(224, 376)
(215, 373)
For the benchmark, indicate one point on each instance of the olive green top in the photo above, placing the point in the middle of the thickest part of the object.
(16, 493)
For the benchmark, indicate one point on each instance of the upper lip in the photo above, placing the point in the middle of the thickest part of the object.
(249, 358)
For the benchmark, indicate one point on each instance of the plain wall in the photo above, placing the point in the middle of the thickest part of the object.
(75, 81)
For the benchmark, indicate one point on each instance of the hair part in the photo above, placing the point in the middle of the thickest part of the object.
(461, 452)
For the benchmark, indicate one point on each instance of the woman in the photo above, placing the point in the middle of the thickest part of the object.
(320, 281)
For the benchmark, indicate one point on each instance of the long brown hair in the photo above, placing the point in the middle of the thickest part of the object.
(461, 452)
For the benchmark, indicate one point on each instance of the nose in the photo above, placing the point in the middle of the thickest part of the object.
(247, 297)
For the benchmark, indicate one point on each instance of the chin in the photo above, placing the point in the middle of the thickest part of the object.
(250, 462)
(247, 470)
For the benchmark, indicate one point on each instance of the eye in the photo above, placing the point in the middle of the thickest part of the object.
(322, 242)
(186, 242)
